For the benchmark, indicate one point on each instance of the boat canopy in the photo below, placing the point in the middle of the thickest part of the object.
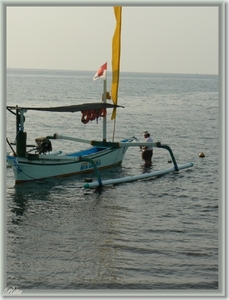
(68, 108)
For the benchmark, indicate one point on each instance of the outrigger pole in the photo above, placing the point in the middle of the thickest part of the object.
(99, 182)
(117, 145)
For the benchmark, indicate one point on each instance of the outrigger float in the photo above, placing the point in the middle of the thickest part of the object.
(42, 162)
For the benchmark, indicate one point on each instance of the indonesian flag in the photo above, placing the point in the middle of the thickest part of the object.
(101, 72)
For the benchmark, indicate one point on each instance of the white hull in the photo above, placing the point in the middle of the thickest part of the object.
(43, 166)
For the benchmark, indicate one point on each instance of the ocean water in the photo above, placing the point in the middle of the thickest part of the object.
(157, 235)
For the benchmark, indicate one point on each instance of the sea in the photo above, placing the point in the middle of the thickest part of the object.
(157, 236)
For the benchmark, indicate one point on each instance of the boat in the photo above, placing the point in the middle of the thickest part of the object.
(41, 162)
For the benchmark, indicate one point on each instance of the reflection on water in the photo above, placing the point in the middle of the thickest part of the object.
(77, 233)
(23, 194)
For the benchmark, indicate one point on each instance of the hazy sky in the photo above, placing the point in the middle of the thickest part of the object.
(154, 39)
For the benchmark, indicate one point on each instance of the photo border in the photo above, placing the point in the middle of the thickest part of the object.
(221, 148)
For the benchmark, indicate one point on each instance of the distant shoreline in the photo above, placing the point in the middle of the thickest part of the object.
(109, 72)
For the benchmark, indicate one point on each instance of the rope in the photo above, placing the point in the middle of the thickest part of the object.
(114, 129)
(17, 166)
(143, 129)
(20, 171)
(11, 147)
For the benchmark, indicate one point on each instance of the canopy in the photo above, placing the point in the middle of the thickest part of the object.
(69, 108)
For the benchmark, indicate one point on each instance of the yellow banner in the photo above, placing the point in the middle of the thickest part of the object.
(116, 49)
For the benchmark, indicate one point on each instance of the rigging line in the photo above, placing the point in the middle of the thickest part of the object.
(114, 129)
(11, 147)
(134, 117)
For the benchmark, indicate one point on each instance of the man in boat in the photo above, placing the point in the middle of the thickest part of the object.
(147, 151)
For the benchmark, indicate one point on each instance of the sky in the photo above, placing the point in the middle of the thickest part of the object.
(175, 39)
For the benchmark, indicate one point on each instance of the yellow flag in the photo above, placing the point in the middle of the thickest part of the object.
(116, 49)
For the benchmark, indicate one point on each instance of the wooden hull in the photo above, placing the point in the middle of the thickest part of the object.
(36, 167)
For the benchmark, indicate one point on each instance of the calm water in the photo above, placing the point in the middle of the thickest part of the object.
(160, 234)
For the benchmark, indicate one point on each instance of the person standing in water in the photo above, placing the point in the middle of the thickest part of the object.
(147, 151)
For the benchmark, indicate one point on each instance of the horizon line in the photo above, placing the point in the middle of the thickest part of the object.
(67, 70)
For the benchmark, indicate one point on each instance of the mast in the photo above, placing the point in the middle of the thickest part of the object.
(102, 72)
(104, 100)
(20, 134)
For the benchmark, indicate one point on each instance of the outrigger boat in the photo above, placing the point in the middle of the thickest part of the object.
(45, 163)
(42, 162)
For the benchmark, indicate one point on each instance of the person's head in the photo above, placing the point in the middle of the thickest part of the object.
(146, 134)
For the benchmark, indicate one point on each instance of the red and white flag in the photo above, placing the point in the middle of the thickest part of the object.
(101, 72)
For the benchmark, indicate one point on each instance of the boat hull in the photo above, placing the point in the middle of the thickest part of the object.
(47, 166)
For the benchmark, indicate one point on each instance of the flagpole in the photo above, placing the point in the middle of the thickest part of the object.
(104, 100)
(102, 72)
